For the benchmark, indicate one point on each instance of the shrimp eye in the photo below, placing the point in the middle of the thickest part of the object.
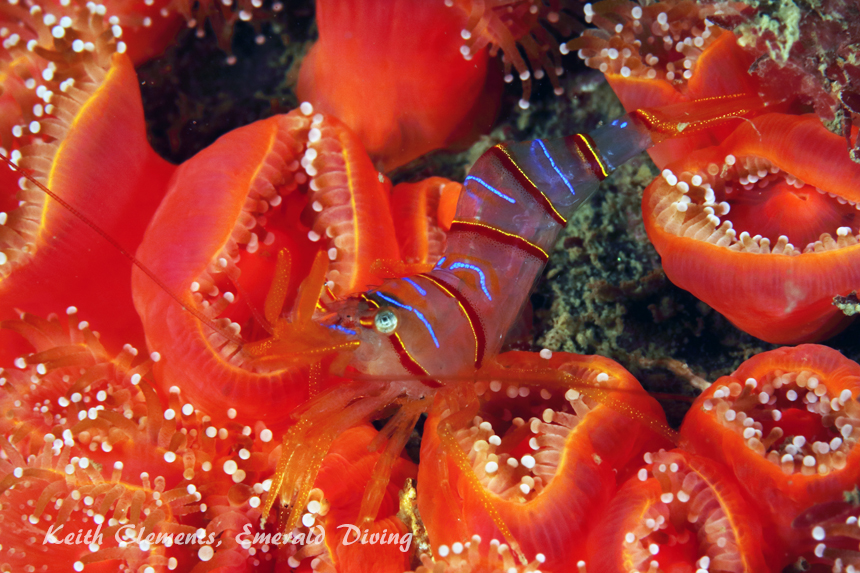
(385, 321)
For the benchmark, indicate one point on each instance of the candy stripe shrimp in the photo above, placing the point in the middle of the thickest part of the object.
(517, 198)
(420, 333)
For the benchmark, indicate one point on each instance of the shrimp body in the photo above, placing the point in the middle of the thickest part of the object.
(420, 333)
(515, 200)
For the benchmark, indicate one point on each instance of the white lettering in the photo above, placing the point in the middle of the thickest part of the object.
(352, 529)
(51, 537)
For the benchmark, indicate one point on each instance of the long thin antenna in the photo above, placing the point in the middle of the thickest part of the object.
(92, 225)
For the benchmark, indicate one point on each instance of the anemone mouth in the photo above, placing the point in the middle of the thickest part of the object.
(792, 419)
(232, 287)
(527, 436)
(747, 204)
(686, 516)
(529, 429)
(302, 199)
(246, 189)
(234, 283)
(524, 433)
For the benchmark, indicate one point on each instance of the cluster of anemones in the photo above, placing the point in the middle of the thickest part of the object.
(556, 459)
(537, 465)
(98, 466)
(100, 444)
(578, 467)
(745, 218)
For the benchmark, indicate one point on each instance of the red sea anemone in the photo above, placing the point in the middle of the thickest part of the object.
(758, 230)
(394, 73)
(91, 443)
(232, 191)
(656, 54)
(786, 425)
(69, 87)
(251, 211)
(270, 226)
(680, 513)
(80, 455)
(543, 456)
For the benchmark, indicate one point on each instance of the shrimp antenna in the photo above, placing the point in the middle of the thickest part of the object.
(101, 232)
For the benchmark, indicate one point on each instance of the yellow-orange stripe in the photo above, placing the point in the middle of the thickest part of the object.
(539, 196)
(468, 312)
(586, 147)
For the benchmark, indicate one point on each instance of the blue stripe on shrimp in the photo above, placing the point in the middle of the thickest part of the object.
(489, 187)
(417, 312)
(555, 167)
(481, 275)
